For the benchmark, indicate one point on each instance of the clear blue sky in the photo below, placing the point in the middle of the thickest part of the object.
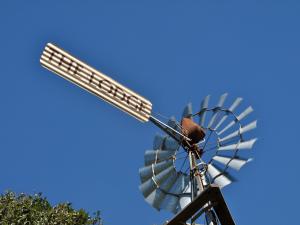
(57, 139)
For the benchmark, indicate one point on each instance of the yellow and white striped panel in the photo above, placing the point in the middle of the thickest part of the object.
(88, 78)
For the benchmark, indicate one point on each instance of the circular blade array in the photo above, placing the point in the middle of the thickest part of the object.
(165, 178)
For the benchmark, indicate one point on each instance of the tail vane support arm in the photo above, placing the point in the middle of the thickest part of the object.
(169, 130)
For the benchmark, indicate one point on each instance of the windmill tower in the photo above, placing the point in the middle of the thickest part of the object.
(187, 166)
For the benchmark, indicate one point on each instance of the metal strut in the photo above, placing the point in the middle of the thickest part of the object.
(169, 130)
(200, 185)
(211, 194)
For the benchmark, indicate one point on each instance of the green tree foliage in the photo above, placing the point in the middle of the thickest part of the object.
(36, 210)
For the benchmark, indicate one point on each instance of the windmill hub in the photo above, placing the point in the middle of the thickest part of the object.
(192, 130)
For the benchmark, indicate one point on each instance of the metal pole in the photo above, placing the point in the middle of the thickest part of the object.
(195, 170)
(200, 180)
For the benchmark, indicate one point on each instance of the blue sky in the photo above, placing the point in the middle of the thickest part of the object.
(57, 139)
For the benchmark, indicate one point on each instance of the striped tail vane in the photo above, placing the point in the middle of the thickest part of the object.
(65, 65)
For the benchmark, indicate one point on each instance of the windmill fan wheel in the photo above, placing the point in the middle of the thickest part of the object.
(218, 135)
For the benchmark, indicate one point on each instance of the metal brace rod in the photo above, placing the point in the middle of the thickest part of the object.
(166, 128)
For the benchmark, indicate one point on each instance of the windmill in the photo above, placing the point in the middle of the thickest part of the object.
(187, 166)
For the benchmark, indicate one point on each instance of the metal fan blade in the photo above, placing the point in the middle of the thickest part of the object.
(239, 118)
(173, 123)
(240, 145)
(170, 202)
(234, 163)
(170, 144)
(148, 171)
(243, 130)
(154, 156)
(186, 197)
(152, 198)
(222, 100)
(187, 112)
(156, 197)
(249, 127)
(147, 187)
(245, 113)
(153, 183)
(158, 141)
(219, 105)
(222, 181)
(168, 184)
(235, 104)
(218, 178)
(204, 106)
(163, 175)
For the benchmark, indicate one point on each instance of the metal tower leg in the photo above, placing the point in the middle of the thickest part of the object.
(211, 218)
(200, 185)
